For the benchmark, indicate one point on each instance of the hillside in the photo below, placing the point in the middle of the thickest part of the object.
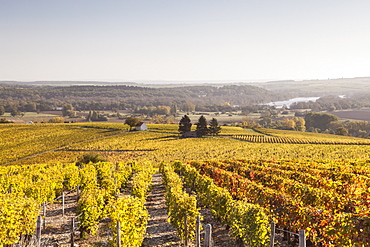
(51, 143)
(322, 87)
(127, 95)
(301, 181)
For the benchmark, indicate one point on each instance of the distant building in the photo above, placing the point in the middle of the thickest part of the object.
(189, 134)
(141, 126)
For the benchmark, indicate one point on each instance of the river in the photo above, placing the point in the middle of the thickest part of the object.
(287, 103)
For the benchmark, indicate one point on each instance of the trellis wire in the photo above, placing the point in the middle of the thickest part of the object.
(301, 235)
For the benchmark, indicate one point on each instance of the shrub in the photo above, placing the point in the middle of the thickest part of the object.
(56, 120)
(90, 157)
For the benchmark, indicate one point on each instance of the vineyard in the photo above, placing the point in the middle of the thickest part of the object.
(103, 192)
(245, 178)
(330, 200)
(18, 141)
(293, 140)
(261, 135)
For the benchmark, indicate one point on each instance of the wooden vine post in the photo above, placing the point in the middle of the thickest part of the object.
(44, 215)
(272, 237)
(118, 233)
(302, 238)
(197, 234)
(208, 236)
(73, 232)
(63, 203)
(78, 192)
(38, 230)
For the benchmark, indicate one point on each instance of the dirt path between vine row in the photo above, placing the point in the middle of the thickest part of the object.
(57, 231)
(161, 233)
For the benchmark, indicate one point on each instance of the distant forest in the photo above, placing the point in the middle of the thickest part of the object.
(333, 103)
(16, 99)
(83, 98)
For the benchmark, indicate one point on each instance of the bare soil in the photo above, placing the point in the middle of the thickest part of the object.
(159, 231)
(362, 115)
(57, 231)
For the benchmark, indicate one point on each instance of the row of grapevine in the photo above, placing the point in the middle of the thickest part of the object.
(182, 207)
(18, 217)
(101, 184)
(23, 189)
(323, 193)
(342, 170)
(357, 171)
(97, 187)
(314, 137)
(247, 222)
(292, 140)
(41, 182)
(129, 210)
(133, 217)
(142, 180)
(324, 227)
(349, 178)
(346, 171)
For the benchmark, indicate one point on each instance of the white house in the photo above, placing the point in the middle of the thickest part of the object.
(141, 126)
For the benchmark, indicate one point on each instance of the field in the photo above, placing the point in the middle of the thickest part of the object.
(359, 115)
(308, 181)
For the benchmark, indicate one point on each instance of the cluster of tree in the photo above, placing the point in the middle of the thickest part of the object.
(202, 128)
(160, 119)
(319, 121)
(132, 122)
(56, 120)
(328, 123)
(10, 105)
(28, 105)
(68, 111)
(3, 120)
(13, 112)
(288, 123)
(157, 110)
(332, 103)
(157, 119)
(294, 123)
(217, 108)
(96, 116)
(357, 128)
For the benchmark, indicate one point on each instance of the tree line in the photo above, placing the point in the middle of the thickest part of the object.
(333, 103)
(18, 98)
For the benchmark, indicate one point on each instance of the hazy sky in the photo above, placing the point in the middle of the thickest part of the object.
(135, 40)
